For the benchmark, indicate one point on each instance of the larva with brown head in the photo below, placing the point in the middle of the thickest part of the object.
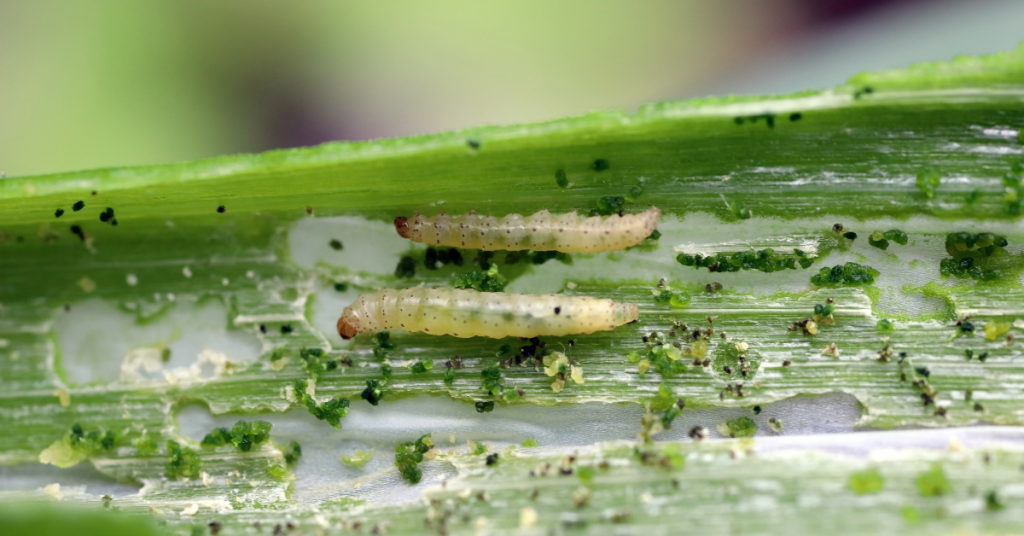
(542, 231)
(468, 313)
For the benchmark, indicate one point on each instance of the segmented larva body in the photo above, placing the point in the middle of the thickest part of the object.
(542, 231)
(468, 313)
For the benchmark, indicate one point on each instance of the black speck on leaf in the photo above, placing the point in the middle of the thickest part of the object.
(79, 205)
(221, 209)
(58, 213)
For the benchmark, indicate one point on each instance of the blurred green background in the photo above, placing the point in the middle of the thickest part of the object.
(87, 84)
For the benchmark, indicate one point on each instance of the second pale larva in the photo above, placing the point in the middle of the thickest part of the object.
(542, 231)
(468, 313)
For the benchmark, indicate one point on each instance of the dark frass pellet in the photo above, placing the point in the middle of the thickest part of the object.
(58, 213)
(373, 393)
(79, 205)
(609, 205)
(221, 209)
(484, 407)
(406, 267)
(561, 179)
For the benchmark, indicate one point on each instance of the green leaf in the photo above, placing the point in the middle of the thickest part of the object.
(234, 231)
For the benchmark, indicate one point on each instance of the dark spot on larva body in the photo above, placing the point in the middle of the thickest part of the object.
(79, 205)
(473, 144)
(58, 213)
(600, 164)
(796, 116)
(78, 232)
(221, 209)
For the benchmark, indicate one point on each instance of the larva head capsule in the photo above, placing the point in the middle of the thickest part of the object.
(624, 313)
(348, 326)
(402, 226)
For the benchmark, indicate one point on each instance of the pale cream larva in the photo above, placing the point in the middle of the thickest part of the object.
(468, 313)
(542, 231)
